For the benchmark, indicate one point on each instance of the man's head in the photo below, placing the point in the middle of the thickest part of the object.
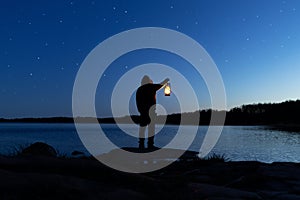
(145, 80)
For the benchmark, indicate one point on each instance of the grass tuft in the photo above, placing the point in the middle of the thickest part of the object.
(217, 158)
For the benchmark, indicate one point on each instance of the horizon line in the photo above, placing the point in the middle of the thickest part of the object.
(103, 117)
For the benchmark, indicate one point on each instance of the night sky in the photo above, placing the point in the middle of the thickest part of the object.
(255, 44)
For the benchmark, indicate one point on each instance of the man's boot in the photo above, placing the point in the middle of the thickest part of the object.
(150, 143)
(141, 143)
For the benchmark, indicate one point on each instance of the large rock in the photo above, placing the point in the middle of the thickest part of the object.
(40, 149)
(207, 191)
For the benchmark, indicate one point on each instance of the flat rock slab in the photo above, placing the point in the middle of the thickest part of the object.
(130, 159)
(171, 153)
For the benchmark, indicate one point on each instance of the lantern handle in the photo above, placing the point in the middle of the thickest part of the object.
(165, 82)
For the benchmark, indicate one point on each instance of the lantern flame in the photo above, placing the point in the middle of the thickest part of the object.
(167, 90)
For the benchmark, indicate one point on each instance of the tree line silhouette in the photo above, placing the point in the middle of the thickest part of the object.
(285, 113)
(265, 114)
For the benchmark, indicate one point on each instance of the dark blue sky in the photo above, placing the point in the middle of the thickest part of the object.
(255, 44)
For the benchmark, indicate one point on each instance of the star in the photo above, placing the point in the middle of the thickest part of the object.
(30, 74)
(38, 58)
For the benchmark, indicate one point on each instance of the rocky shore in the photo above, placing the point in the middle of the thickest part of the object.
(50, 177)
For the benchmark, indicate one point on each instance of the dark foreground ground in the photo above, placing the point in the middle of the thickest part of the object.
(40, 177)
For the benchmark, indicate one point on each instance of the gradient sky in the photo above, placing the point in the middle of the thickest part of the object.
(255, 44)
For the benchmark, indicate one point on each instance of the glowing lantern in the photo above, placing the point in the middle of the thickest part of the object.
(167, 90)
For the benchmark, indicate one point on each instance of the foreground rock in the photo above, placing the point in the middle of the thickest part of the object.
(39, 149)
(42, 177)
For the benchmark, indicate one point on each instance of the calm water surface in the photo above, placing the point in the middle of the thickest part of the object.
(236, 142)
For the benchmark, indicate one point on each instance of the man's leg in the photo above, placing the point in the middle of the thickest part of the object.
(142, 137)
(143, 125)
(151, 128)
(151, 132)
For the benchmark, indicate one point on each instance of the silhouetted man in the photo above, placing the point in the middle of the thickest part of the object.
(146, 104)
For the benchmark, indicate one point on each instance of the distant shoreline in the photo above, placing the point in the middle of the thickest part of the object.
(285, 114)
(278, 116)
(125, 120)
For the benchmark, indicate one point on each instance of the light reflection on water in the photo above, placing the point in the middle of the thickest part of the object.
(236, 142)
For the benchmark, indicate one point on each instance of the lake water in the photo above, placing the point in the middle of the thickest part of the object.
(236, 142)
